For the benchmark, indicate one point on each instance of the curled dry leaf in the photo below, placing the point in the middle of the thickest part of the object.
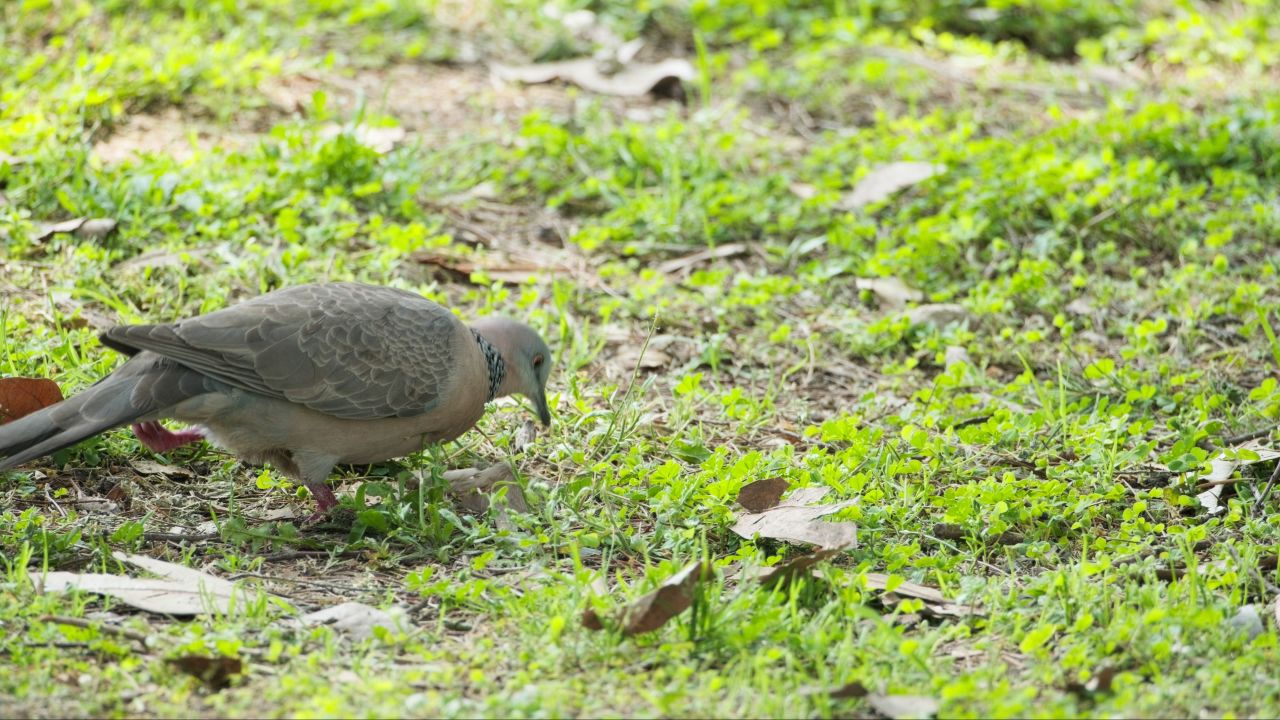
(798, 520)
(761, 495)
(892, 292)
(1223, 469)
(178, 590)
(902, 707)
(655, 609)
(215, 672)
(470, 487)
(89, 228)
(792, 568)
(381, 140)
(150, 467)
(938, 314)
(886, 180)
(357, 620)
(22, 396)
(633, 80)
(524, 437)
(936, 604)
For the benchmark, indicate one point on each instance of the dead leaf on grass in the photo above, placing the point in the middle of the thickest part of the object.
(464, 271)
(684, 262)
(178, 590)
(761, 495)
(798, 520)
(651, 359)
(22, 396)
(1222, 473)
(524, 437)
(381, 140)
(936, 604)
(792, 568)
(150, 467)
(472, 487)
(938, 314)
(1099, 683)
(357, 620)
(215, 672)
(886, 180)
(655, 609)
(89, 228)
(848, 691)
(892, 292)
(632, 80)
(901, 707)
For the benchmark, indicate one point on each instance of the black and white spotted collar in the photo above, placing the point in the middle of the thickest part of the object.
(493, 361)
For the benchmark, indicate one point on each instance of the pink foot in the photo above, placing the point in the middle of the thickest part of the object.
(325, 500)
(158, 438)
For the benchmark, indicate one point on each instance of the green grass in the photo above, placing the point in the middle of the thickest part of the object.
(1106, 220)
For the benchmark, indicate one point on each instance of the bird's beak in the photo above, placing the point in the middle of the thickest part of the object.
(544, 412)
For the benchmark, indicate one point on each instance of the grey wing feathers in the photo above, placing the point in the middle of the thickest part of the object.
(348, 350)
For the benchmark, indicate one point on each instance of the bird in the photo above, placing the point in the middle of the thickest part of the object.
(302, 378)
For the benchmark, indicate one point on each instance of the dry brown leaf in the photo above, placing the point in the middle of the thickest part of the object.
(903, 706)
(652, 359)
(685, 262)
(655, 609)
(938, 314)
(936, 604)
(462, 271)
(91, 228)
(1100, 682)
(524, 437)
(792, 568)
(150, 467)
(356, 620)
(886, 180)
(178, 591)
(892, 292)
(847, 691)
(633, 80)
(473, 486)
(1222, 471)
(761, 495)
(798, 520)
(381, 140)
(215, 672)
(22, 396)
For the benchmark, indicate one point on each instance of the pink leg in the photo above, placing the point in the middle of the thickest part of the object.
(325, 500)
(160, 439)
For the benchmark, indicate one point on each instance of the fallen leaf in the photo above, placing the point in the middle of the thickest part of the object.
(150, 467)
(652, 359)
(761, 495)
(798, 520)
(215, 672)
(381, 140)
(720, 252)
(804, 191)
(179, 590)
(938, 314)
(936, 604)
(956, 355)
(90, 228)
(633, 80)
(22, 396)
(653, 610)
(886, 180)
(524, 437)
(790, 569)
(892, 292)
(356, 620)
(472, 487)
(847, 691)
(903, 706)
(1100, 682)
(463, 271)
(1222, 470)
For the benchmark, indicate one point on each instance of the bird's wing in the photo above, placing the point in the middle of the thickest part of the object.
(349, 350)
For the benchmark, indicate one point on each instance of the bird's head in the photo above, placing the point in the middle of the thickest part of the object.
(526, 357)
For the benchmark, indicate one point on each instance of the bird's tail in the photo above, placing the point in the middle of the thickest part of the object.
(142, 386)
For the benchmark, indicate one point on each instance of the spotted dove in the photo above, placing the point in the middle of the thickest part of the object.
(302, 378)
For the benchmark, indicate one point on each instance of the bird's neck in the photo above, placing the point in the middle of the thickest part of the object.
(494, 363)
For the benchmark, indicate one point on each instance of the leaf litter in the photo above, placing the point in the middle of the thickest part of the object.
(655, 609)
(177, 590)
(798, 520)
(21, 396)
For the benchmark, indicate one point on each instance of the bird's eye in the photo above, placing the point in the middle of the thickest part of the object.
(537, 361)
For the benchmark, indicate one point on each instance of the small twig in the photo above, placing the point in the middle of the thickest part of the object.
(1266, 491)
(108, 628)
(299, 581)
